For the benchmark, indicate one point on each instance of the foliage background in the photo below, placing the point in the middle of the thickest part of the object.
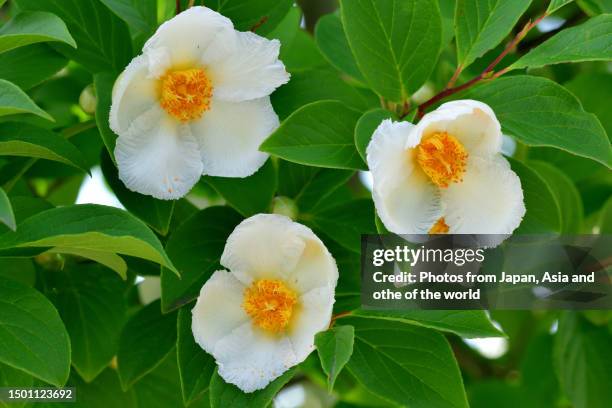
(73, 310)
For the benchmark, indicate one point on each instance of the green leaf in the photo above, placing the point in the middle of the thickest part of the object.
(89, 299)
(286, 30)
(100, 35)
(319, 84)
(331, 40)
(161, 388)
(447, 11)
(587, 42)
(29, 66)
(405, 364)
(594, 7)
(7, 217)
(366, 125)
(250, 195)
(303, 53)
(543, 214)
(196, 247)
(85, 227)
(556, 5)
(591, 88)
(196, 367)
(566, 194)
(17, 139)
(319, 134)
(248, 14)
(481, 25)
(147, 338)
(605, 218)
(335, 347)
(13, 101)
(33, 27)
(464, 323)
(537, 372)
(11, 377)
(103, 84)
(104, 392)
(224, 395)
(141, 15)
(345, 222)
(395, 42)
(583, 359)
(539, 112)
(314, 193)
(156, 213)
(32, 334)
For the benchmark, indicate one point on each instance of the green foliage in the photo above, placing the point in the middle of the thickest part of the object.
(74, 310)
(195, 366)
(481, 25)
(14, 101)
(206, 232)
(335, 347)
(395, 42)
(89, 299)
(7, 217)
(45, 354)
(587, 42)
(539, 112)
(91, 25)
(31, 141)
(583, 359)
(224, 395)
(318, 134)
(147, 338)
(387, 351)
(86, 230)
(33, 27)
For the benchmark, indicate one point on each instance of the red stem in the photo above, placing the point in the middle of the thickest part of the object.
(178, 7)
(486, 74)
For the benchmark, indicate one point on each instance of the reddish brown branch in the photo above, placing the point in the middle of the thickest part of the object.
(177, 9)
(258, 24)
(486, 74)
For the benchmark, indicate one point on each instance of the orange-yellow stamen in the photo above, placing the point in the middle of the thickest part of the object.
(443, 158)
(186, 94)
(439, 227)
(270, 304)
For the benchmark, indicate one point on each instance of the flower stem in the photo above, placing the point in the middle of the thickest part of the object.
(485, 75)
(178, 7)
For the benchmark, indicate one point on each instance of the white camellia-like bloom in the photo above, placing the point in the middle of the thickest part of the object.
(196, 101)
(446, 174)
(260, 318)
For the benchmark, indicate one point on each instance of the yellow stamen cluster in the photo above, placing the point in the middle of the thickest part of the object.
(270, 304)
(443, 158)
(439, 227)
(186, 94)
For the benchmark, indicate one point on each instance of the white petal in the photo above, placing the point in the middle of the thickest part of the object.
(252, 69)
(192, 34)
(316, 267)
(230, 134)
(473, 123)
(218, 310)
(158, 156)
(133, 94)
(489, 200)
(264, 246)
(313, 316)
(251, 359)
(406, 201)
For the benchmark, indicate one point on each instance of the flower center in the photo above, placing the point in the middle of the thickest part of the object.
(186, 94)
(269, 303)
(439, 227)
(443, 158)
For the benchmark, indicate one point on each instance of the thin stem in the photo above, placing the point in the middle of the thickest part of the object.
(191, 3)
(177, 9)
(78, 128)
(454, 78)
(258, 24)
(485, 75)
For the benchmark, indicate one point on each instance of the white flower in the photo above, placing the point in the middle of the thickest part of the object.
(196, 101)
(445, 174)
(260, 318)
